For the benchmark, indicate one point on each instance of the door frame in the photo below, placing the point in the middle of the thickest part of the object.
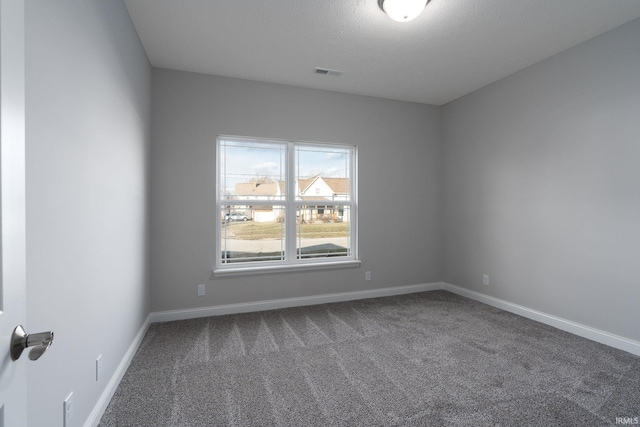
(13, 308)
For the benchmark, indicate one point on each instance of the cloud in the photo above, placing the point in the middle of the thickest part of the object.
(332, 171)
(266, 168)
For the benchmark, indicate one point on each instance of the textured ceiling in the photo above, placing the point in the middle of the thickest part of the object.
(453, 48)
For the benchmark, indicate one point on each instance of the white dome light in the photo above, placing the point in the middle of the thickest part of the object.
(402, 10)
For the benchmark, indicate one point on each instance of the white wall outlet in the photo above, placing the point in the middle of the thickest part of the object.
(201, 290)
(67, 410)
(367, 275)
(98, 367)
(485, 280)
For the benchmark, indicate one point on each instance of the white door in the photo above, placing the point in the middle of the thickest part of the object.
(13, 389)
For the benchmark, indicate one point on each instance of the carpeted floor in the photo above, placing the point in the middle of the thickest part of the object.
(424, 359)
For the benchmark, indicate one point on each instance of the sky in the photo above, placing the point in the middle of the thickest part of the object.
(243, 160)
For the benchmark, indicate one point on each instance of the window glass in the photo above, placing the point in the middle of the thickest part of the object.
(252, 170)
(244, 239)
(323, 232)
(263, 182)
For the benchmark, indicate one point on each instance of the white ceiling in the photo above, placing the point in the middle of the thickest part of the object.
(453, 48)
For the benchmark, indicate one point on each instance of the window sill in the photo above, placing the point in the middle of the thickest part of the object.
(221, 272)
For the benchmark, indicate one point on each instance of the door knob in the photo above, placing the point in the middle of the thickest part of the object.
(39, 343)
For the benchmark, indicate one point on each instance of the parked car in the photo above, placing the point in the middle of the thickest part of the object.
(235, 216)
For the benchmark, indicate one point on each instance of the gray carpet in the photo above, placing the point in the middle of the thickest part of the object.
(424, 359)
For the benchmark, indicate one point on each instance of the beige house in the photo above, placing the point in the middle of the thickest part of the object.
(261, 189)
(314, 189)
(320, 188)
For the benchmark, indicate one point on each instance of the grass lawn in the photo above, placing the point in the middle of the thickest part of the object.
(251, 230)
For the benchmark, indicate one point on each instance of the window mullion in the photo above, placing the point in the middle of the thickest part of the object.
(290, 231)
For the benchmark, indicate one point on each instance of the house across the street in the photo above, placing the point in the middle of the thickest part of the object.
(323, 194)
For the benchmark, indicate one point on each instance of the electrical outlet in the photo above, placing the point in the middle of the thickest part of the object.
(485, 280)
(367, 275)
(67, 410)
(98, 367)
(201, 290)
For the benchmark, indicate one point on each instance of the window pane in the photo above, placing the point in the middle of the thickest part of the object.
(322, 173)
(323, 231)
(259, 237)
(251, 170)
(254, 199)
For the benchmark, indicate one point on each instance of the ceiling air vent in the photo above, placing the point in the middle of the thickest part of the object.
(327, 72)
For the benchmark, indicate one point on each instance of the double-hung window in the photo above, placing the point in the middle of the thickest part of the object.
(284, 205)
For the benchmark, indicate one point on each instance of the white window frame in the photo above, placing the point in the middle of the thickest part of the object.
(291, 261)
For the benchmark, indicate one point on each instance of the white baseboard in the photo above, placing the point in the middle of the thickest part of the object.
(192, 313)
(110, 389)
(588, 332)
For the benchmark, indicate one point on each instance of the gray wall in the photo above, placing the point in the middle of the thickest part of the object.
(535, 184)
(88, 129)
(541, 178)
(399, 184)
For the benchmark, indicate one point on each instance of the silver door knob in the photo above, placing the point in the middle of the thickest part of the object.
(39, 343)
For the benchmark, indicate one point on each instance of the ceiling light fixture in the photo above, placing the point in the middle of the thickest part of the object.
(402, 10)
